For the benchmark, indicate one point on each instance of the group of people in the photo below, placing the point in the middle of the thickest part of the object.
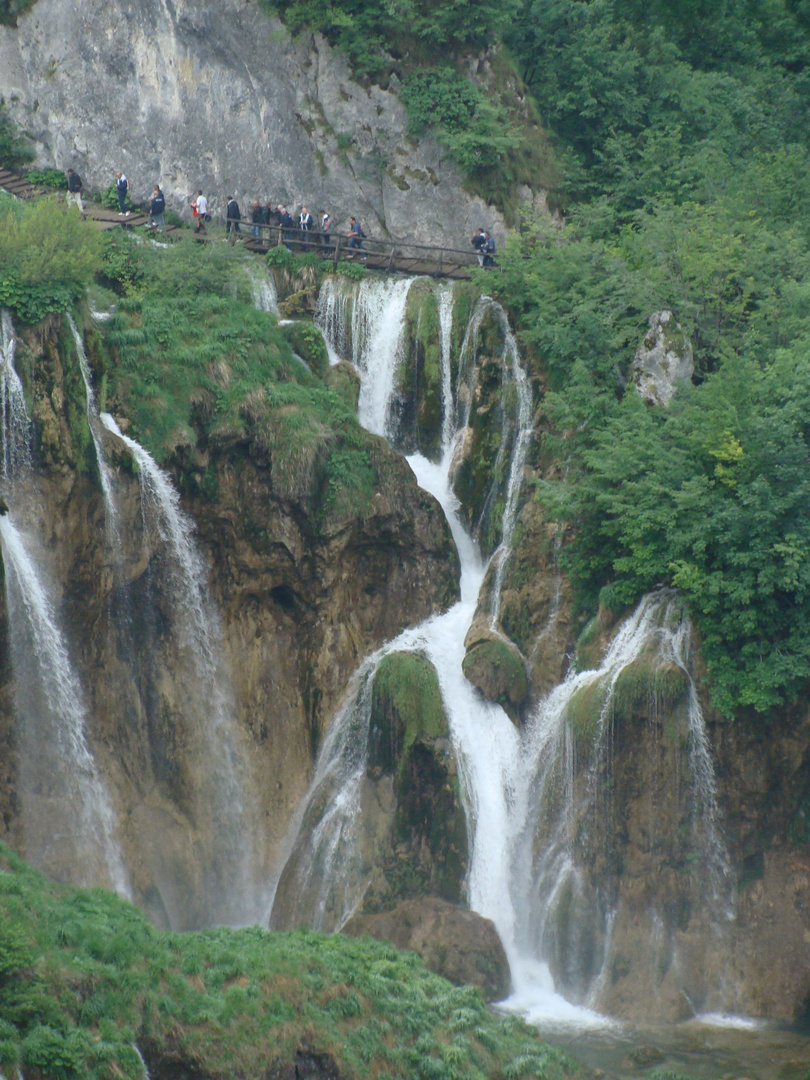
(484, 244)
(271, 214)
(278, 216)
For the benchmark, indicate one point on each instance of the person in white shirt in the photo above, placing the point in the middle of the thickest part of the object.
(202, 209)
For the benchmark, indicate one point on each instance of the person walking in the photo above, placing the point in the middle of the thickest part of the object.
(121, 188)
(199, 207)
(489, 250)
(287, 225)
(157, 206)
(233, 216)
(257, 217)
(326, 228)
(305, 225)
(479, 242)
(355, 235)
(74, 195)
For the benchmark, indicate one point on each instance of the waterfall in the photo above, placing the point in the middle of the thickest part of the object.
(526, 794)
(68, 818)
(263, 288)
(333, 316)
(16, 423)
(208, 705)
(111, 511)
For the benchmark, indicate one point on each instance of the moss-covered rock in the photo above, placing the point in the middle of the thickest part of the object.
(496, 667)
(649, 689)
(409, 741)
(460, 945)
(344, 380)
(307, 341)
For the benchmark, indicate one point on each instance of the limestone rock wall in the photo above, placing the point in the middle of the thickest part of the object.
(301, 602)
(217, 96)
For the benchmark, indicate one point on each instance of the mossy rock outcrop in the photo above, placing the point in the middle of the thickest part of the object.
(409, 743)
(307, 341)
(344, 380)
(496, 668)
(417, 408)
(459, 945)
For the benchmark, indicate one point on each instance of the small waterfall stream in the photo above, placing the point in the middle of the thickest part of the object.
(518, 783)
(222, 786)
(68, 819)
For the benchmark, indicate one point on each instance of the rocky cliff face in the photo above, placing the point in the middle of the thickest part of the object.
(300, 602)
(193, 95)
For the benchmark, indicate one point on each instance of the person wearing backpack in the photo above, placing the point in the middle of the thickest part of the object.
(157, 207)
(74, 195)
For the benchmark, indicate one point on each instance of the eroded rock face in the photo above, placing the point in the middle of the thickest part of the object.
(495, 666)
(193, 95)
(460, 945)
(302, 598)
(664, 359)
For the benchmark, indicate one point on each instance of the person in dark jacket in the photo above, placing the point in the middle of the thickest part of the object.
(232, 219)
(157, 206)
(257, 217)
(74, 195)
(121, 188)
(489, 250)
(355, 235)
(479, 242)
(287, 224)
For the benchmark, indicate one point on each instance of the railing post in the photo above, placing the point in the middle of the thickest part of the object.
(337, 249)
(390, 260)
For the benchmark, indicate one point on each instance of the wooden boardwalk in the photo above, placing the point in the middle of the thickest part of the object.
(390, 256)
(104, 218)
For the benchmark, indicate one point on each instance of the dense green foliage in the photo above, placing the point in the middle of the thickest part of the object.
(85, 979)
(200, 364)
(48, 255)
(14, 149)
(684, 132)
(54, 178)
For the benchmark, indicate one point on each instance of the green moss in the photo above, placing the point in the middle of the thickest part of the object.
(406, 684)
(589, 646)
(83, 977)
(649, 687)
(499, 672)
(307, 341)
(585, 708)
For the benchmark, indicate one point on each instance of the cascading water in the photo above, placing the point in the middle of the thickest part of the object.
(91, 409)
(68, 820)
(263, 289)
(16, 423)
(522, 803)
(230, 880)
(67, 815)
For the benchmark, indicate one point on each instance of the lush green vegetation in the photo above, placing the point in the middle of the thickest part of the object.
(48, 256)
(14, 149)
(85, 979)
(683, 129)
(48, 177)
(189, 359)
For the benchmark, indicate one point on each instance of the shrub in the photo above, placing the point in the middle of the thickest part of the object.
(15, 150)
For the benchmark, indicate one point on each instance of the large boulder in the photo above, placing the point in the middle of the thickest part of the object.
(460, 945)
(494, 665)
(663, 360)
